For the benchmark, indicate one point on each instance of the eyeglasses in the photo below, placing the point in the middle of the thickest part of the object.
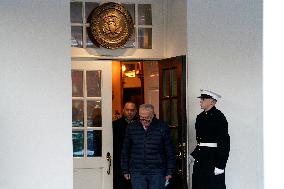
(145, 119)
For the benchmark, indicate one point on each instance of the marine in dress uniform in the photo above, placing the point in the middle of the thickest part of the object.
(213, 145)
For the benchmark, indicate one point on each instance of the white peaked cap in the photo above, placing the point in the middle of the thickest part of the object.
(205, 92)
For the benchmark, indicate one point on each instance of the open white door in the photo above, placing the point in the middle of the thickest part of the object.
(92, 124)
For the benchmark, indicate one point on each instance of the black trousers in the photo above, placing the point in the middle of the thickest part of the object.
(203, 176)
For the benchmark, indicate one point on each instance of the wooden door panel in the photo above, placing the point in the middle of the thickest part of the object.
(173, 111)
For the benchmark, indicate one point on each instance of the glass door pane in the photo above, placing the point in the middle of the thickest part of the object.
(93, 80)
(166, 83)
(174, 112)
(78, 143)
(77, 113)
(166, 110)
(77, 83)
(94, 111)
(94, 143)
(173, 82)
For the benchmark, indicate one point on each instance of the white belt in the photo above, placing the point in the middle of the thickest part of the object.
(213, 145)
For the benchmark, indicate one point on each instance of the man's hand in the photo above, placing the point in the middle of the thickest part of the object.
(127, 176)
(168, 177)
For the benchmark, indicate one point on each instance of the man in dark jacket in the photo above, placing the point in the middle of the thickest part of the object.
(119, 127)
(148, 158)
(213, 145)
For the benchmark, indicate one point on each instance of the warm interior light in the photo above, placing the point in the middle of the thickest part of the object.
(130, 74)
(131, 69)
(123, 68)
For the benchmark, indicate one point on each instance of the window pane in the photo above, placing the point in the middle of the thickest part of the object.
(77, 113)
(77, 36)
(78, 143)
(94, 143)
(93, 83)
(94, 111)
(131, 10)
(145, 38)
(90, 43)
(166, 83)
(77, 83)
(173, 82)
(175, 138)
(89, 7)
(131, 42)
(166, 110)
(76, 13)
(144, 14)
(174, 118)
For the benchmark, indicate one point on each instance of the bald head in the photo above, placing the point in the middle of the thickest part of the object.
(129, 110)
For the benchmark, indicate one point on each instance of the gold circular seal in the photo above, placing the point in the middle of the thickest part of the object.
(111, 25)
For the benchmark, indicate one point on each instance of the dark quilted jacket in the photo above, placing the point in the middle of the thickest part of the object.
(148, 152)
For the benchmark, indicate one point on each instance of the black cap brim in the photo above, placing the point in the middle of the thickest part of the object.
(205, 96)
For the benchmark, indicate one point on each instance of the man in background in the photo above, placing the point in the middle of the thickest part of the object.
(119, 127)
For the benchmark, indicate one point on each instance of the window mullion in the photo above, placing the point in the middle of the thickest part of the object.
(85, 112)
(136, 26)
(84, 25)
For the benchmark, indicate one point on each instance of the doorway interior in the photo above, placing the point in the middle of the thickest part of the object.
(136, 81)
(162, 84)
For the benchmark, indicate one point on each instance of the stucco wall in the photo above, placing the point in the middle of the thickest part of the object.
(225, 55)
(35, 81)
(175, 27)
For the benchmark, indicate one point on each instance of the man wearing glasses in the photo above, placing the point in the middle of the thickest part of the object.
(148, 158)
(119, 127)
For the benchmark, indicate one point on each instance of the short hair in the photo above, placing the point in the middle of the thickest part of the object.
(129, 102)
(147, 107)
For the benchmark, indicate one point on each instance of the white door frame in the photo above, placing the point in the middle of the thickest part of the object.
(93, 172)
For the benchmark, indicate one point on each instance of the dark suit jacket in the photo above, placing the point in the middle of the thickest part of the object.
(118, 127)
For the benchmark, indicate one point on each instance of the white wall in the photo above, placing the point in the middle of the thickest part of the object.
(175, 27)
(225, 55)
(273, 77)
(35, 114)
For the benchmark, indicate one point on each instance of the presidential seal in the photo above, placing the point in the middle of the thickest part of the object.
(111, 25)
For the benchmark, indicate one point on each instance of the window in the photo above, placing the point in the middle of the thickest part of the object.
(141, 15)
(86, 113)
(79, 12)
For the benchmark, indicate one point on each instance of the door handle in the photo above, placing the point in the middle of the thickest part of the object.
(108, 158)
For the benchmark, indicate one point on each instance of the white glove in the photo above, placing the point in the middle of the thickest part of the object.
(190, 159)
(218, 171)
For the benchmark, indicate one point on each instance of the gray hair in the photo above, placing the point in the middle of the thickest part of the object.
(149, 107)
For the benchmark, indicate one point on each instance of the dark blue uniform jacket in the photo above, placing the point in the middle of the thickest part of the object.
(212, 127)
